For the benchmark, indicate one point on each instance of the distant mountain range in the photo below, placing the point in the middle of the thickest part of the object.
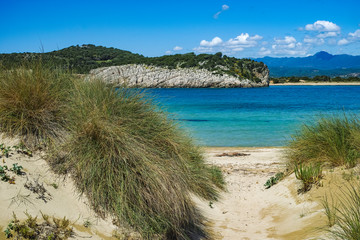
(322, 63)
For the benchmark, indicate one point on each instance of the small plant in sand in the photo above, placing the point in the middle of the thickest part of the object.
(31, 228)
(5, 150)
(134, 164)
(309, 174)
(334, 140)
(21, 148)
(39, 189)
(3, 175)
(274, 180)
(17, 169)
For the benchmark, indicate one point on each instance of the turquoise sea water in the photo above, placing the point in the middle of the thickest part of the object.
(253, 116)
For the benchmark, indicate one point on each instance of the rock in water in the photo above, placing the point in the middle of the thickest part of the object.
(139, 75)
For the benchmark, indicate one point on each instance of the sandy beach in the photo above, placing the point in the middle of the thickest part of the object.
(317, 84)
(249, 211)
(246, 210)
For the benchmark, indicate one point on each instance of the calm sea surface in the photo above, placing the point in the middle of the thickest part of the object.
(253, 116)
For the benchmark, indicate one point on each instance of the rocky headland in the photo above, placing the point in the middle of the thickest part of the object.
(140, 75)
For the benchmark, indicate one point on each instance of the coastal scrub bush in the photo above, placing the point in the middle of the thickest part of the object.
(133, 163)
(334, 140)
(309, 174)
(31, 101)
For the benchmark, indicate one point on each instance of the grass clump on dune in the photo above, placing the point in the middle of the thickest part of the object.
(134, 164)
(31, 103)
(309, 174)
(345, 219)
(333, 140)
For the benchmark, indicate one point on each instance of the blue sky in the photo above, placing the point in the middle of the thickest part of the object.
(154, 28)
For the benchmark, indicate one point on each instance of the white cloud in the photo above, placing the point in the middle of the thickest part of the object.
(327, 34)
(168, 52)
(204, 49)
(233, 45)
(322, 26)
(244, 40)
(310, 40)
(223, 8)
(287, 43)
(177, 48)
(355, 34)
(237, 49)
(264, 51)
(352, 37)
(214, 42)
(287, 46)
(343, 41)
(286, 40)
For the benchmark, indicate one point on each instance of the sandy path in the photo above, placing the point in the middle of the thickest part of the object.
(249, 211)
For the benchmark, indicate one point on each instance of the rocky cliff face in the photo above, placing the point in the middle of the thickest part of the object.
(133, 75)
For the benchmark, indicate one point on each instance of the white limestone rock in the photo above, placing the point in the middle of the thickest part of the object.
(139, 75)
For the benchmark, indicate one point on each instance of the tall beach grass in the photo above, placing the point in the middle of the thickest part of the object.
(345, 214)
(334, 140)
(123, 152)
(134, 164)
(32, 98)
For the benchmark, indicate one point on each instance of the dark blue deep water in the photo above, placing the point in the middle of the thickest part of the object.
(253, 116)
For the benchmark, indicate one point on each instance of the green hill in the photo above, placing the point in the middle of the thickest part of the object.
(81, 59)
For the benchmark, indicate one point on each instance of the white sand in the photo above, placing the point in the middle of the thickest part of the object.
(65, 201)
(249, 211)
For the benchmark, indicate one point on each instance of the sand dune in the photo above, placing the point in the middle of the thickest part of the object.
(245, 211)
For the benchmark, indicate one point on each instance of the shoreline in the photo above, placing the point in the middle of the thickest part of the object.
(317, 84)
(208, 148)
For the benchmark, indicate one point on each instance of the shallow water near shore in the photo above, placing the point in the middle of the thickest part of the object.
(253, 117)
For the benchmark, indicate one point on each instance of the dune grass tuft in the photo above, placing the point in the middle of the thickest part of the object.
(134, 164)
(333, 140)
(346, 214)
(31, 103)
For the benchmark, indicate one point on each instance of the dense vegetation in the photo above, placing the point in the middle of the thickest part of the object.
(322, 78)
(81, 59)
(124, 153)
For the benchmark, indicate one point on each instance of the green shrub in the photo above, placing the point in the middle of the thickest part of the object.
(329, 140)
(133, 163)
(31, 102)
(309, 174)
